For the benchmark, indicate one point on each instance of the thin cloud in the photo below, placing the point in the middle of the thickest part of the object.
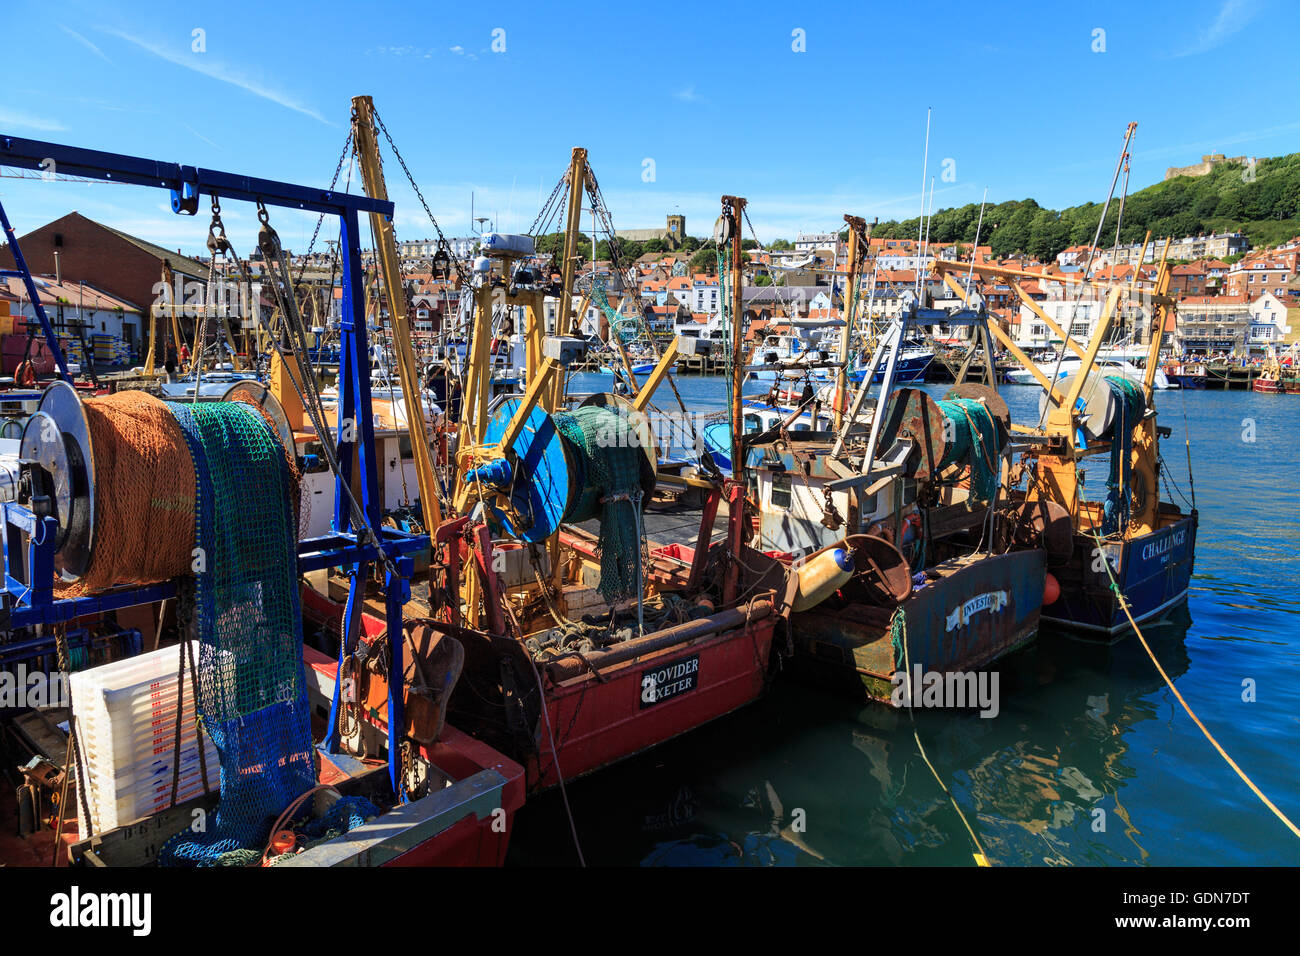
(1233, 17)
(688, 95)
(86, 43)
(460, 51)
(200, 135)
(204, 64)
(27, 121)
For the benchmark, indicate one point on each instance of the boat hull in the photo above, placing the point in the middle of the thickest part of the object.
(968, 619)
(910, 371)
(1154, 572)
(597, 721)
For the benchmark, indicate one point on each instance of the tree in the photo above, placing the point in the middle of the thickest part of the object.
(705, 260)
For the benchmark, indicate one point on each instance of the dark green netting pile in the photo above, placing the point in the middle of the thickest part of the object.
(974, 443)
(611, 490)
(252, 693)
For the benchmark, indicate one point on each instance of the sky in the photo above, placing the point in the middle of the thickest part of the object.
(809, 112)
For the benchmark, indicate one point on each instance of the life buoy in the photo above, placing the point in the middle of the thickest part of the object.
(25, 374)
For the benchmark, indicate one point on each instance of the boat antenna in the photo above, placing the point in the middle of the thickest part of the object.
(925, 249)
(925, 171)
(974, 249)
(1092, 252)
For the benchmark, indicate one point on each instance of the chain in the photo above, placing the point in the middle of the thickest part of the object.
(442, 240)
(338, 170)
(532, 230)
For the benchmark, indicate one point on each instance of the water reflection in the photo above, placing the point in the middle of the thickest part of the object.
(805, 778)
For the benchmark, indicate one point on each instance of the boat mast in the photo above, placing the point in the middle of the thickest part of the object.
(733, 209)
(577, 176)
(859, 240)
(372, 176)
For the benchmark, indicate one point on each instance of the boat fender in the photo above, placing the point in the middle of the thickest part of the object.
(1051, 590)
(821, 577)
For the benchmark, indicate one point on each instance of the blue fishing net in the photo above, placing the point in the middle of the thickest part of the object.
(252, 693)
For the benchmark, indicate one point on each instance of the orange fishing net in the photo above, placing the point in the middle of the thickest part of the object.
(144, 494)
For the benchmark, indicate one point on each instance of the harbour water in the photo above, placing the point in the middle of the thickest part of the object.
(1090, 761)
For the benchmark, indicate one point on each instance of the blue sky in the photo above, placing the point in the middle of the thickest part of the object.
(715, 94)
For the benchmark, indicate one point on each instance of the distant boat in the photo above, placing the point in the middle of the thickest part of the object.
(758, 416)
(1186, 375)
(1071, 364)
(913, 363)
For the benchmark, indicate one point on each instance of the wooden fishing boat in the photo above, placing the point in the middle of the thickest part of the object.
(583, 647)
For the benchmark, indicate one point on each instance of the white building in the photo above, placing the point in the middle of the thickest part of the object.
(1268, 325)
(1033, 332)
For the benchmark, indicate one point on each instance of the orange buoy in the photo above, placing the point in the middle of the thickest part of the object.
(1051, 590)
(283, 842)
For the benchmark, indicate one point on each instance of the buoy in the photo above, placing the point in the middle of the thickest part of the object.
(821, 577)
(283, 842)
(1051, 590)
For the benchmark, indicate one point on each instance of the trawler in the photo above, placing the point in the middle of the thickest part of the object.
(1132, 553)
(903, 549)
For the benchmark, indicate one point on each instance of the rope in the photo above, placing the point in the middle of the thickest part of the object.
(1123, 603)
(898, 632)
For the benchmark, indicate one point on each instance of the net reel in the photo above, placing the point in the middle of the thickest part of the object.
(545, 477)
(1098, 405)
(57, 439)
(60, 478)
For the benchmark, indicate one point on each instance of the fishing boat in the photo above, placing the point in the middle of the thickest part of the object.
(430, 798)
(759, 416)
(1275, 378)
(1130, 543)
(1189, 376)
(913, 362)
(1070, 366)
(887, 519)
(584, 643)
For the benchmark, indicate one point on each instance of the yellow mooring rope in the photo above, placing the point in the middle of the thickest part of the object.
(1123, 603)
(899, 622)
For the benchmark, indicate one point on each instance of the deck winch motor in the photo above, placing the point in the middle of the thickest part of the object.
(598, 461)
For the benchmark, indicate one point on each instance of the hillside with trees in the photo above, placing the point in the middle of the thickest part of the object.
(1261, 201)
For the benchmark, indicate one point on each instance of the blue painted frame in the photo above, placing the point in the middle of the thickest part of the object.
(28, 594)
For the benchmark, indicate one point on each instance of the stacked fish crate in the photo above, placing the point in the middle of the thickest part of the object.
(126, 719)
(72, 350)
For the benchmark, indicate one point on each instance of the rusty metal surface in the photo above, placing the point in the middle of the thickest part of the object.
(881, 569)
(986, 394)
(977, 609)
(1037, 524)
(913, 415)
(947, 629)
